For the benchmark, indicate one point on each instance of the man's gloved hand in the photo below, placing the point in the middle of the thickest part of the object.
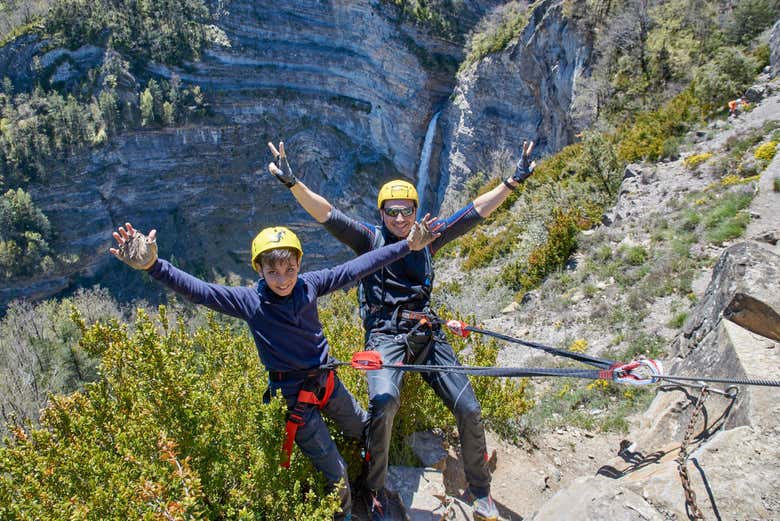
(423, 233)
(135, 249)
(280, 167)
(525, 167)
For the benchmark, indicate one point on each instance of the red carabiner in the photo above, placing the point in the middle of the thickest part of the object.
(458, 328)
(367, 360)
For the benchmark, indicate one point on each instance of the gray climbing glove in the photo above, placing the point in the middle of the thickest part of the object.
(525, 167)
(280, 167)
(138, 251)
(421, 234)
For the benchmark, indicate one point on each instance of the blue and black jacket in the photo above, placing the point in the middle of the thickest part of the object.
(287, 330)
(407, 282)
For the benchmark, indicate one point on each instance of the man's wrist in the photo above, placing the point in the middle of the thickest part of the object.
(509, 184)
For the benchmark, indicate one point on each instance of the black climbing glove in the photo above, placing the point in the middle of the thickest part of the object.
(525, 167)
(280, 167)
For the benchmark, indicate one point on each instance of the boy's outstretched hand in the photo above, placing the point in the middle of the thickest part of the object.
(423, 233)
(135, 249)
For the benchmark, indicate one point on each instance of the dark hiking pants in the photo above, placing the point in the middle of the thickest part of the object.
(315, 440)
(384, 388)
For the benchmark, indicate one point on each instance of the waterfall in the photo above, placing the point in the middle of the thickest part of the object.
(425, 160)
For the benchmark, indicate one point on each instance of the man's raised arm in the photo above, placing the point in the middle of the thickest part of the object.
(316, 205)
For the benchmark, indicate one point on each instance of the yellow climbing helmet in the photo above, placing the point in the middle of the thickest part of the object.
(272, 238)
(398, 189)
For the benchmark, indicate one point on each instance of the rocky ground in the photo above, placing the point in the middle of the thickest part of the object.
(540, 477)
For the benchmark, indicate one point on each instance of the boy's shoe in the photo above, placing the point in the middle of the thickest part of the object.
(377, 505)
(485, 509)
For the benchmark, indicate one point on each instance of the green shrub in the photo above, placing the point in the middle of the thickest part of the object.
(762, 55)
(677, 321)
(749, 18)
(551, 255)
(651, 346)
(441, 20)
(726, 220)
(560, 165)
(595, 405)
(175, 428)
(635, 255)
(724, 78)
(648, 138)
(481, 249)
(776, 184)
(603, 254)
(497, 35)
(598, 162)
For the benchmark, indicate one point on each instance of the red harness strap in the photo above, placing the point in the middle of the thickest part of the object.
(295, 416)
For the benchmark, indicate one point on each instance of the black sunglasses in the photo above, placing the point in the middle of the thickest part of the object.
(393, 211)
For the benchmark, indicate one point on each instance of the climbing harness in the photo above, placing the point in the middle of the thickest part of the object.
(307, 397)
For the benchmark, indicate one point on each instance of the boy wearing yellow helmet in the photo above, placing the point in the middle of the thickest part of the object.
(281, 312)
(405, 285)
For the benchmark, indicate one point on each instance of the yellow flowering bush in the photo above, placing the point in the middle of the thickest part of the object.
(579, 346)
(766, 151)
(175, 428)
(692, 162)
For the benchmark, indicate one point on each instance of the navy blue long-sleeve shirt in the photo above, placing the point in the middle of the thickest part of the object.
(286, 330)
(405, 283)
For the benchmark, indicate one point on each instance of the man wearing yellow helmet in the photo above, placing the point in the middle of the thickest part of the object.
(405, 285)
(281, 312)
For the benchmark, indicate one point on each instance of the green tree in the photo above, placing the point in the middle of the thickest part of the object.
(158, 98)
(40, 355)
(147, 107)
(164, 30)
(24, 235)
(750, 17)
(725, 77)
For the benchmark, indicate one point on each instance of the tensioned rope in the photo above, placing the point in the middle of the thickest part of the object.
(642, 371)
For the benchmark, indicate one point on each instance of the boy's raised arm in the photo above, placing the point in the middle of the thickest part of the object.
(328, 280)
(139, 251)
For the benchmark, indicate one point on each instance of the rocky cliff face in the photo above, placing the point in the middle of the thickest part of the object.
(528, 91)
(347, 85)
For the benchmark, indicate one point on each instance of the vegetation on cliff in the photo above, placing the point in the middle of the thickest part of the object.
(173, 421)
